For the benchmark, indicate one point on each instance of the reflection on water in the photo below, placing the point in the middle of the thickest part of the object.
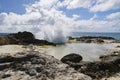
(89, 52)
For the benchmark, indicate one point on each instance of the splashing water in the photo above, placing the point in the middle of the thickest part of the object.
(52, 34)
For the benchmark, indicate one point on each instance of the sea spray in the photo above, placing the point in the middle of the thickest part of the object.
(56, 33)
(52, 34)
(42, 19)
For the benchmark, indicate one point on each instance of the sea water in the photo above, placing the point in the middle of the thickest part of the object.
(3, 34)
(115, 35)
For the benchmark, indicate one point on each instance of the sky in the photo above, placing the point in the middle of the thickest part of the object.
(52, 18)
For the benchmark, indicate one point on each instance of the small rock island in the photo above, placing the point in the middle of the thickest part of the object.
(22, 38)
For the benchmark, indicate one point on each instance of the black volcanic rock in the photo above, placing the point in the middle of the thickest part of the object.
(98, 40)
(92, 39)
(37, 66)
(108, 66)
(75, 58)
(24, 38)
(88, 41)
(96, 37)
(100, 69)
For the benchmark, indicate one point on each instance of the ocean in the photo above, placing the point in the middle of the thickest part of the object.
(2, 34)
(80, 34)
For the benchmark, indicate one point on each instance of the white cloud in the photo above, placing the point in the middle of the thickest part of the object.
(79, 3)
(105, 5)
(114, 16)
(92, 5)
(72, 4)
(44, 19)
(94, 17)
(75, 17)
(96, 26)
(45, 4)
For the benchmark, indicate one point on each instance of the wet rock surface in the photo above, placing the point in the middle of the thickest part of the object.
(36, 66)
(23, 38)
(108, 66)
(93, 39)
(76, 58)
(96, 37)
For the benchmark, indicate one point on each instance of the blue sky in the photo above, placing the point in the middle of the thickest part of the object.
(73, 15)
(18, 6)
(84, 13)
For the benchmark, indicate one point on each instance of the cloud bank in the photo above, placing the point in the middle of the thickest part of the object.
(45, 19)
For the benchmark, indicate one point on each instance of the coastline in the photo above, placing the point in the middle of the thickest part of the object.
(28, 53)
(13, 49)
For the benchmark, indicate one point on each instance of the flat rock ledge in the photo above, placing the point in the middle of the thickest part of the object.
(108, 66)
(93, 39)
(36, 66)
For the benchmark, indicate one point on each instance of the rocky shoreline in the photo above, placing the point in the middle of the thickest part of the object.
(23, 38)
(37, 65)
(108, 66)
(92, 39)
(34, 65)
(26, 38)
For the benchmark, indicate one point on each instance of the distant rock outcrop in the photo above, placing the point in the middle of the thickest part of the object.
(96, 37)
(24, 38)
(92, 39)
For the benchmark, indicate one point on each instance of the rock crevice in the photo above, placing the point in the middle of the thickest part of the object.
(37, 66)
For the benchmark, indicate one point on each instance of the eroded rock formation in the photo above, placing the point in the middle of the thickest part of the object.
(36, 66)
(92, 39)
(108, 66)
(23, 38)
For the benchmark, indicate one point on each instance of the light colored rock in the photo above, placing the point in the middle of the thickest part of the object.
(114, 77)
(11, 49)
(38, 66)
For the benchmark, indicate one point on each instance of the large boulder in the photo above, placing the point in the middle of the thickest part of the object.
(98, 41)
(26, 37)
(74, 58)
(22, 38)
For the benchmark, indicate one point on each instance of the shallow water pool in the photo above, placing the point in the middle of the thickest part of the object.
(89, 52)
